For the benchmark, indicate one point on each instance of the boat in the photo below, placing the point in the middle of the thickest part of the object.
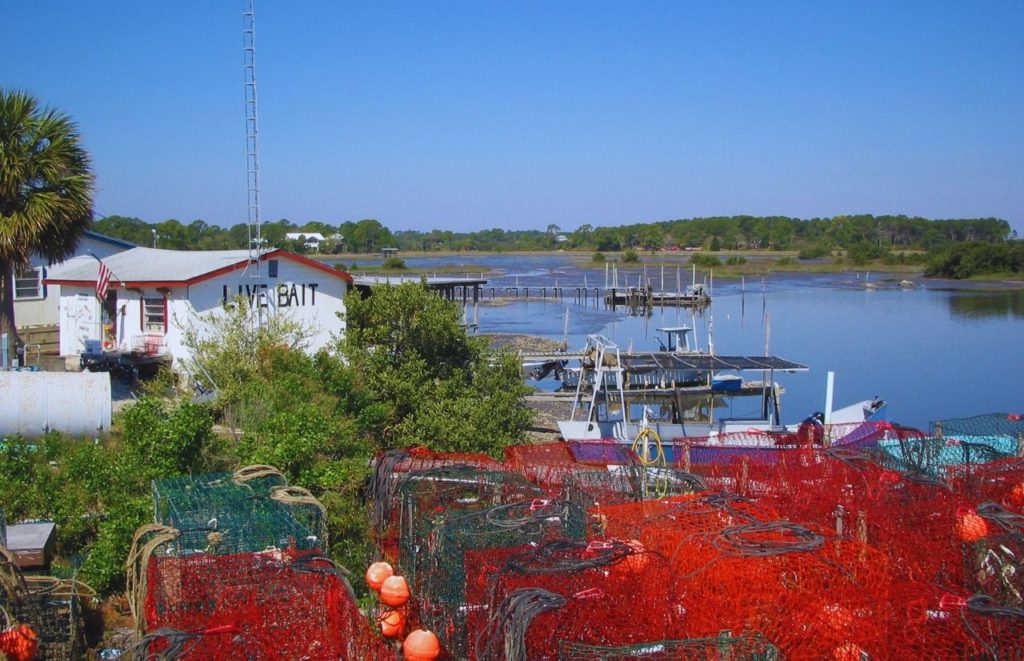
(612, 410)
(645, 369)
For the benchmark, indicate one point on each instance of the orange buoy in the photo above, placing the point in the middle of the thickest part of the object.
(377, 574)
(394, 591)
(19, 643)
(421, 645)
(969, 526)
(392, 623)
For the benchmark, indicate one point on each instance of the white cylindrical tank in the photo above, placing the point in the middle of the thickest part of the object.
(73, 403)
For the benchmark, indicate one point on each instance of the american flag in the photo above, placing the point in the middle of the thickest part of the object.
(102, 281)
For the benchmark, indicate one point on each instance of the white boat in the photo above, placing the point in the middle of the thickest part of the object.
(611, 410)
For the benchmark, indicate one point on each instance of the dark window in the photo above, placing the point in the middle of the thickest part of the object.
(272, 268)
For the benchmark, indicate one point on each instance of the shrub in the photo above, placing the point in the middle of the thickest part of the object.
(705, 261)
(630, 256)
(598, 258)
(395, 263)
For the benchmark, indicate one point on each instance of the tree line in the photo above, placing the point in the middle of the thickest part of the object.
(816, 236)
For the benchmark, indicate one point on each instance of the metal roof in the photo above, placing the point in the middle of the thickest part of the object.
(114, 241)
(704, 362)
(29, 536)
(168, 267)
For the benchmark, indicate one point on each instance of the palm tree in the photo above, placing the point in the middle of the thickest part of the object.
(46, 189)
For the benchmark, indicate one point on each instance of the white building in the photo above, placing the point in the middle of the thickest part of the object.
(155, 295)
(35, 301)
(311, 240)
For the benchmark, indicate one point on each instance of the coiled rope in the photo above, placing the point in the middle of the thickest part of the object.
(137, 566)
(504, 635)
(300, 496)
(255, 472)
(1011, 522)
(382, 488)
(747, 540)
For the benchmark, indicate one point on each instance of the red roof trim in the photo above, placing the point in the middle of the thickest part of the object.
(279, 253)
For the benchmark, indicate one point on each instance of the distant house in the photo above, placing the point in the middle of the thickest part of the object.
(155, 295)
(311, 240)
(561, 238)
(35, 302)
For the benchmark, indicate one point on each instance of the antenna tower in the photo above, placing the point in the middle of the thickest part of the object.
(251, 135)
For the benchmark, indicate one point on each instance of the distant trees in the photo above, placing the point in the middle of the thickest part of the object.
(862, 237)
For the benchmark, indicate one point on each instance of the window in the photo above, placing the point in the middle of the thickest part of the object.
(29, 284)
(154, 315)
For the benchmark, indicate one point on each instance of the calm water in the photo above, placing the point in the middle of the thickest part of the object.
(930, 351)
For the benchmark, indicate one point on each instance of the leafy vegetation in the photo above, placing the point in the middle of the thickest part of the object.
(630, 257)
(978, 259)
(46, 188)
(406, 374)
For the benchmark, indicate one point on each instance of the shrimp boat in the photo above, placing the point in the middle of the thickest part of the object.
(646, 369)
(611, 409)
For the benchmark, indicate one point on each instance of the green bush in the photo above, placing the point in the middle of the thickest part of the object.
(705, 261)
(736, 260)
(394, 263)
(598, 258)
(630, 256)
(815, 251)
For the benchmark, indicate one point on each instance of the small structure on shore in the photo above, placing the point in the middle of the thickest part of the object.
(154, 296)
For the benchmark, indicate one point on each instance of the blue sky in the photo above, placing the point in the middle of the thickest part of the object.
(473, 115)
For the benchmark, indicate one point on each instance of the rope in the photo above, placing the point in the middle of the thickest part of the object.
(57, 587)
(179, 642)
(562, 556)
(538, 511)
(504, 635)
(381, 490)
(301, 496)
(649, 435)
(1011, 522)
(11, 579)
(255, 472)
(739, 540)
(137, 566)
(989, 607)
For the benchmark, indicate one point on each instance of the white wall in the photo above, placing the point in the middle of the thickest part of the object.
(307, 295)
(44, 311)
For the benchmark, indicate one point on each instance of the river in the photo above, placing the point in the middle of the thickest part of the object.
(933, 351)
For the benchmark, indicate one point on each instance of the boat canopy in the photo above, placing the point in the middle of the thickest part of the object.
(705, 362)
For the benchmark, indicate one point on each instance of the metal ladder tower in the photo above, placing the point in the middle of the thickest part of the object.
(251, 137)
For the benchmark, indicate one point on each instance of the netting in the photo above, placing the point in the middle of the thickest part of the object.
(933, 456)
(745, 647)
(658, 524)
(546, 464)
(429, 498)
(50, 606)
(442, 598)
(272, 605)
(390, 470)
(1008, 425)
(812, 597)
(585, 590)
(625, 484)
(1000, 481)
(247, 511)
